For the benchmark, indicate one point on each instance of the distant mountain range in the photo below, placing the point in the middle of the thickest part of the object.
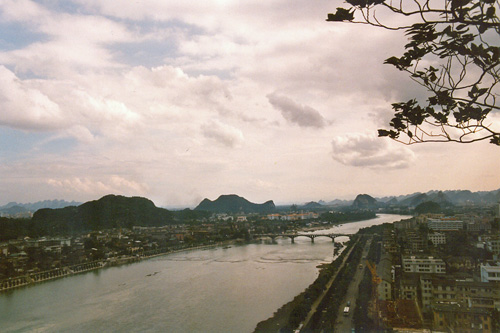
(23, 210)
(232, 203)
(311, 205)
(444, 198)
(118, 209)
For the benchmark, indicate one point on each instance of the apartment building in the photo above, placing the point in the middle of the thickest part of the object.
(490, 272)
(454, 318)
(445, 224)
(415, 264)
(492, 244)
(437, 238)
(467, 293)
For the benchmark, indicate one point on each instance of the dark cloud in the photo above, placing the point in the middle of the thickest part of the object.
(302, 115)
(361, 150)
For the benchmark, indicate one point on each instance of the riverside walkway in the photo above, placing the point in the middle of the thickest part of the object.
(21, 281)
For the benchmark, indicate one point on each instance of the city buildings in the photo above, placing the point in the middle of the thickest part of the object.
(490, 272)
(445, 224)
(423, 264)
(444, 265)
(437, 238)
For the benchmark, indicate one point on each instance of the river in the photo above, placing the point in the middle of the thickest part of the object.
(214, 290)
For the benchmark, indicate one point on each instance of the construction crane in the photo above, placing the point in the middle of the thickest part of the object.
(376, 280)
(373, 269)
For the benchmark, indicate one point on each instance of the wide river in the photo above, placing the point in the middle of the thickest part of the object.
(214, 290)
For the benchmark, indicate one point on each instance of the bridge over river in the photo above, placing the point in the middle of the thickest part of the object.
(292, 236)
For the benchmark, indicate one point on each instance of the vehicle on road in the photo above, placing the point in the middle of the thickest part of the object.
(346, 311)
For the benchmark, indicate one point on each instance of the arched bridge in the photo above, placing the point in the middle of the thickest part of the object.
(293, 236)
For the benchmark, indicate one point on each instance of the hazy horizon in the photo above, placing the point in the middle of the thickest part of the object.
(277, 203)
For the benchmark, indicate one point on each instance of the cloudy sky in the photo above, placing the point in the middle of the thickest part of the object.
(181, 100)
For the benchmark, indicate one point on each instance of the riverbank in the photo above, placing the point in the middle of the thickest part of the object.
(282, 317)
(211, 290)
(331, 225)
(66, 271)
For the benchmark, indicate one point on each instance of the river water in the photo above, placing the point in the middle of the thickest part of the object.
(214, 290)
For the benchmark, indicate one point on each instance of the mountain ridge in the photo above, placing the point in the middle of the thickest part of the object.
(232, 203)
(444, 198)
(34, 206)
(110, 211)
(365, 201)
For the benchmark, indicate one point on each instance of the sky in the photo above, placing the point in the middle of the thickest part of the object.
(178, 101)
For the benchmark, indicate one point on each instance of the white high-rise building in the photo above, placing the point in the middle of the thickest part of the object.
(430, 265)
(490, 272)
(445, 224)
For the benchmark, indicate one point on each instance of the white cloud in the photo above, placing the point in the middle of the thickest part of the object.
(302, 115)
(81, 133)
(25, 107)
(113, 184)
(113, 105)
(22, 10)
(70, 43)
(162, 94)
(222, 133)
(363, 150)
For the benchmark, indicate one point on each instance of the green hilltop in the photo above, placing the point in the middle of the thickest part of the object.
(232, 203)
(110, 211)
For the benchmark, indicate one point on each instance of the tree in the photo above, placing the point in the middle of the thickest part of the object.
(454, 53)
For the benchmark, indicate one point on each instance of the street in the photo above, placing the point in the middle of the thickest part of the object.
(344, 323)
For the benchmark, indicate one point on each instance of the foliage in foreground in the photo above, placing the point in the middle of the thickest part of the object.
(454, 53)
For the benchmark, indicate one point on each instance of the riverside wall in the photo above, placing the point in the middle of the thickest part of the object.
(32, 278)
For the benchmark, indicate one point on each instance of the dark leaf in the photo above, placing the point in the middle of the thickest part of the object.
(341, 15)
(495, 140)
(391, 134)
(490, 12)
(382, 132)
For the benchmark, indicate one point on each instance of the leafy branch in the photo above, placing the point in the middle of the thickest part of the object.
(454, 53)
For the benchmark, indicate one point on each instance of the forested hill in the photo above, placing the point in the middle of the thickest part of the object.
(111, 211)
(364, 201)
(235, 204)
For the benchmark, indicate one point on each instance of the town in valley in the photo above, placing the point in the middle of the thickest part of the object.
(438, 269)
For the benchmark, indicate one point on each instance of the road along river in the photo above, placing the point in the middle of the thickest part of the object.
(214, 290)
